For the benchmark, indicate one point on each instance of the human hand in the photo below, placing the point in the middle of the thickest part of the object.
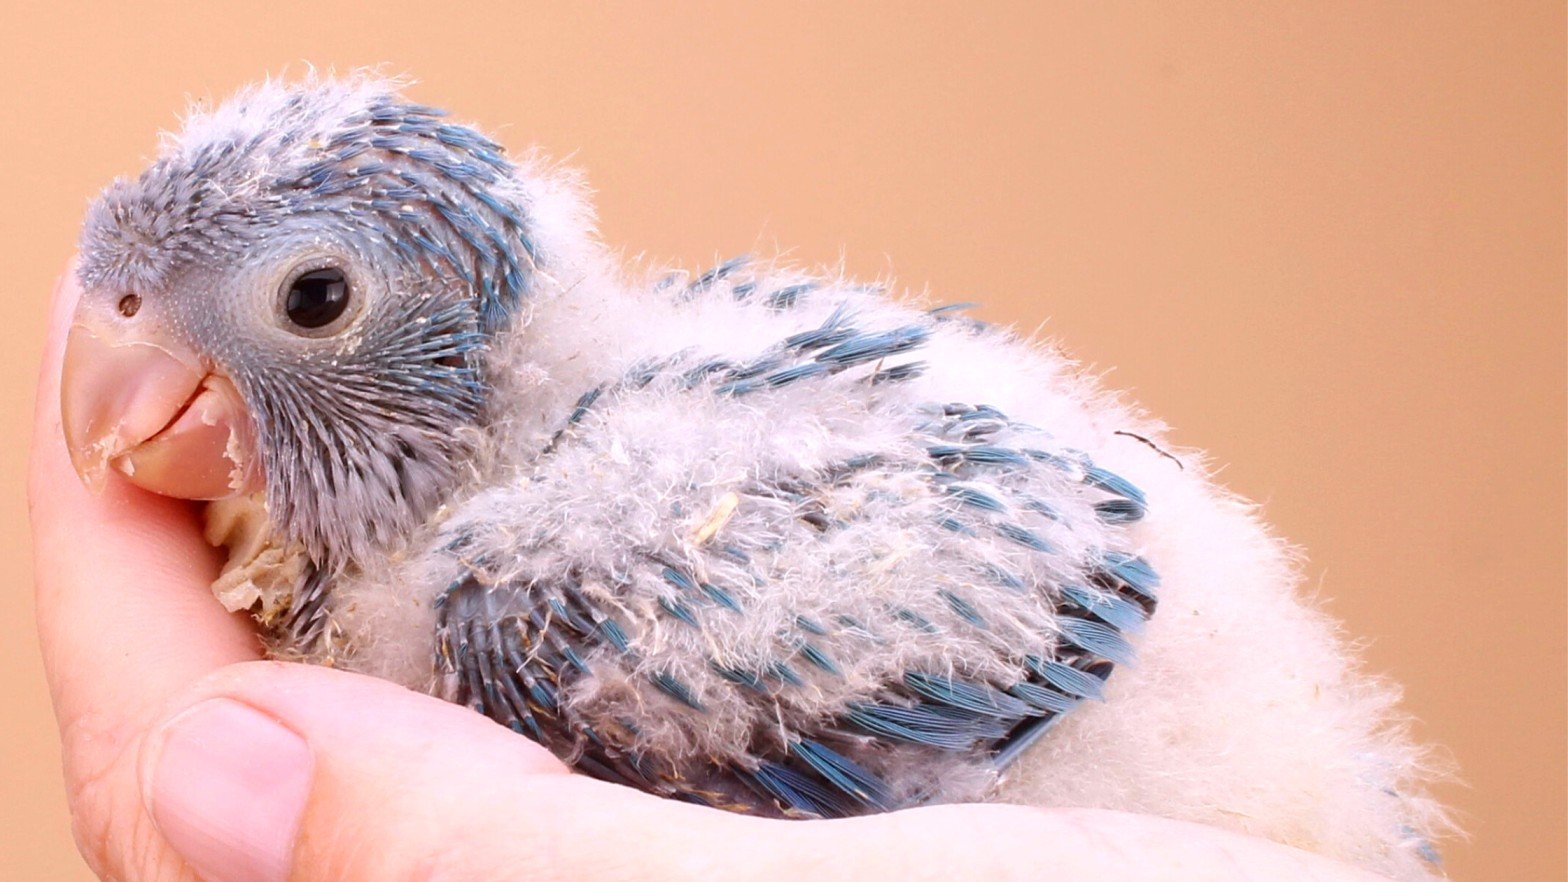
(186, 756)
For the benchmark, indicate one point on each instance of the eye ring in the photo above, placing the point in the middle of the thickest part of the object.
(314, 299)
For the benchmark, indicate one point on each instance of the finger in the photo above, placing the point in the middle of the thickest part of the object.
(125, 617)
(347, 778)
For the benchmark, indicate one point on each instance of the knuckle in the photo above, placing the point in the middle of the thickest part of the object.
(94, 769)
(112, 829)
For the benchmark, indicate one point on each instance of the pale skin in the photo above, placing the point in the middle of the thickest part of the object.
(189, 757)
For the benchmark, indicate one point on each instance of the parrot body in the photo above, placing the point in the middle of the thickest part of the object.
(757, 539)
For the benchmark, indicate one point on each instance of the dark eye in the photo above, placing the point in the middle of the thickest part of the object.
(316, 299)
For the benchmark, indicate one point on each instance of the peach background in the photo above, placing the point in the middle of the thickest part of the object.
(1325, 242)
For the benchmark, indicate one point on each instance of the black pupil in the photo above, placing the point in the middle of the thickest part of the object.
(317, 298)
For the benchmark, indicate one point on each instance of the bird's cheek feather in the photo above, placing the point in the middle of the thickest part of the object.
(135, 401)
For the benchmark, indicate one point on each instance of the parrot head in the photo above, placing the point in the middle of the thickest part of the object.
(295, 299)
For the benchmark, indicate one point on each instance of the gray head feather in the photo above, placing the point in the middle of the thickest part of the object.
(360, 433)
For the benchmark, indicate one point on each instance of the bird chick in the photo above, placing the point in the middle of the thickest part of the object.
(765, 540)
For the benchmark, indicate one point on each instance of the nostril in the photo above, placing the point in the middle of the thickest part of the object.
(129, 304)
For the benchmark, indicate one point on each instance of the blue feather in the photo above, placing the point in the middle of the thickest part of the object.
(1022, 738)
(811, 625)
(844, 774)
(1134, 572)
(1108, 608)
(679, 579)
(973, 697)
(1045, 699)
(785, 673)
(870, 347)
(1102, 640)
(739, 677)
(945, 728)
(977, 496)
(784, 298)
(615, 634)
(814, 654)
(670, 685)
(964, 608)
(919, 621)
(1025, 537)
(1119, 511)
(1067, 678)
(796, 791)
(679, 610)
(721, 597)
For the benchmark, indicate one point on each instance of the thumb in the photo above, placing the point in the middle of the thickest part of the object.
(277, 772)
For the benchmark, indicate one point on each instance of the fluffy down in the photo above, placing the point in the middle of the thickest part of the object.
(727, 515)
(1245, 707)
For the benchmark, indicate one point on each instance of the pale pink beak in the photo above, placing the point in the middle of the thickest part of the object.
(151, 410)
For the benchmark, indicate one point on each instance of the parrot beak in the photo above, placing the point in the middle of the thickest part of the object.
(148, 408)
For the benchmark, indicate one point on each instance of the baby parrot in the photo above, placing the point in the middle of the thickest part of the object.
(755, 538)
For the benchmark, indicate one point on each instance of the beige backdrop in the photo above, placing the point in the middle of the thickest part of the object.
(1326, 243)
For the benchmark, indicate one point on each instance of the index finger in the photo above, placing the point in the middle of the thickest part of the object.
(125, 616)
